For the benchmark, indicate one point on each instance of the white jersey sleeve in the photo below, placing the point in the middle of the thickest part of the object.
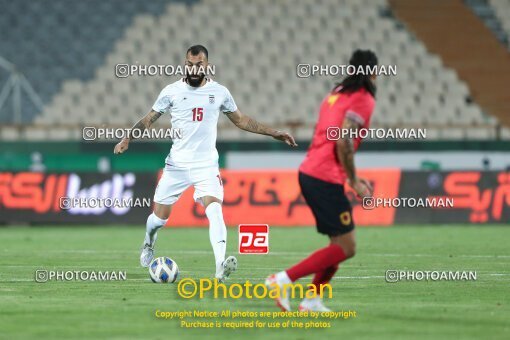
(164, 102)
(228, 105)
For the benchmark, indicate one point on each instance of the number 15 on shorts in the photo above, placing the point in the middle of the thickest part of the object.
(253, 239)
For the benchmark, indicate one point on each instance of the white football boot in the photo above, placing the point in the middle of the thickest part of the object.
(227, 267)
(314, 305)
(282, 300)
(147, 255)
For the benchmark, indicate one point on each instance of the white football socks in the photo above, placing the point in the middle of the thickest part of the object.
(217, 232)
(283, 278)
(153, 224)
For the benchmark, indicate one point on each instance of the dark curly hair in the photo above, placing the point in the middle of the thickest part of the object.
(354, 82)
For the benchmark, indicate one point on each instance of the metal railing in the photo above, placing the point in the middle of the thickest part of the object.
(14, 87)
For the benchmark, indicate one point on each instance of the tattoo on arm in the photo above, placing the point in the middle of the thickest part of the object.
(248, 124)
(144, 123)
(154, 117)
(254, 126)
(139, 127)
(345, 149)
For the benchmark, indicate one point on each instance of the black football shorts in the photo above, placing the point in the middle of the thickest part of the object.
(329, 204)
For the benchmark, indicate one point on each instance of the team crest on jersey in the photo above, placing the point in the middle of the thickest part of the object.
(211, 98)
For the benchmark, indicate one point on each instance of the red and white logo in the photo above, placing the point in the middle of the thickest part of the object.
(253, 239)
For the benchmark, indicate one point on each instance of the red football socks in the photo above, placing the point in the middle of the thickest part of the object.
(324, 276)
(318, 262)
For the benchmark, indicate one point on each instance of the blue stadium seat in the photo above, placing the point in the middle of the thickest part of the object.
(76, 34)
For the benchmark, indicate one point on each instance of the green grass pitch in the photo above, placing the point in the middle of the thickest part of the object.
(125, 310)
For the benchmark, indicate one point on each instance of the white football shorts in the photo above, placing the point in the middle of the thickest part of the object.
(175, 180)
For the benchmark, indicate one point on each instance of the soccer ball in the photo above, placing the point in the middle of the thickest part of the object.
(163, 270)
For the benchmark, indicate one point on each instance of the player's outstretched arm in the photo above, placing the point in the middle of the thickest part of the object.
(246, 123)
(345, 153)
(141, 125)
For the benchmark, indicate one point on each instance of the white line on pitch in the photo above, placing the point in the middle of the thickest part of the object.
(240, 278)
(284, 253)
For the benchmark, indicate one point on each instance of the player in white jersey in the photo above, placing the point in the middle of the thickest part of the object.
(194, 104)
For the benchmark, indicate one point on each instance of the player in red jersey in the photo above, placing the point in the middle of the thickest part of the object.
(329, 163)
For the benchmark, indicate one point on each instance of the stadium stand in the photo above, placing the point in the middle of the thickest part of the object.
(501, 10)
(474, 52)
(490, 15)
(60, 40)
(259, 66)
